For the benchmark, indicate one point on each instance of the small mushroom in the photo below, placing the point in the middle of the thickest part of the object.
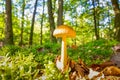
(64, 31)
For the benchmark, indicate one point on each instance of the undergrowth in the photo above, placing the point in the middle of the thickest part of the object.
(23, 63)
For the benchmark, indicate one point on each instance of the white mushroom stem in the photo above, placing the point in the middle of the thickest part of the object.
(64, 53)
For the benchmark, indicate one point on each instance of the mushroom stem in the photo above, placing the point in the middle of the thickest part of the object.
(63, 53)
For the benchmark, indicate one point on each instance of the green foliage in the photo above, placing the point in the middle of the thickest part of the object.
(21, 63)
(45, 52)
(43, 58)
(2, 24)
(53, 47)
(18, 68)
(78, 14)
(52, 73)
(93, 52)
(11, 50)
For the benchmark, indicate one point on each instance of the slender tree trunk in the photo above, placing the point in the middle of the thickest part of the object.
(60, 13)
(42, 23)
(95, 21)
(98, 17)
(32, 24)
(117, 19)
(22, 23)
(51, 21)
(8, 28)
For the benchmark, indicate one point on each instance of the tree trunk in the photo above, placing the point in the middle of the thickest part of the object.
(95, 21)
(51, 21)
(22, 23)
(8, 28)
(97, 18)
(32, 24)
(42, 23)
(60, 13)
(117, 18)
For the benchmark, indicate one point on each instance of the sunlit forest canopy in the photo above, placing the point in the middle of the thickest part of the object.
(91, 19)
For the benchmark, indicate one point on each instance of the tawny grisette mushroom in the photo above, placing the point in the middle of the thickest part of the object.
(64, 32)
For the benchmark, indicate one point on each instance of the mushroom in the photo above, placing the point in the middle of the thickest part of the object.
(64, 31)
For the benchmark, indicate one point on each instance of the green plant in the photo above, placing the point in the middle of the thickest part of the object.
(52, 73)
(53, 47)
(19, 67)
(93, 52)
(21, 63)
(11, 49)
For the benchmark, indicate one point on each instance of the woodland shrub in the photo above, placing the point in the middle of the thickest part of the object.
(11, 50)
(93, 52)
(18, 67)
(28, 67)
(52, 73)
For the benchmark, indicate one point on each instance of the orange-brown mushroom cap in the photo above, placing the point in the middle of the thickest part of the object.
(64, 30)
